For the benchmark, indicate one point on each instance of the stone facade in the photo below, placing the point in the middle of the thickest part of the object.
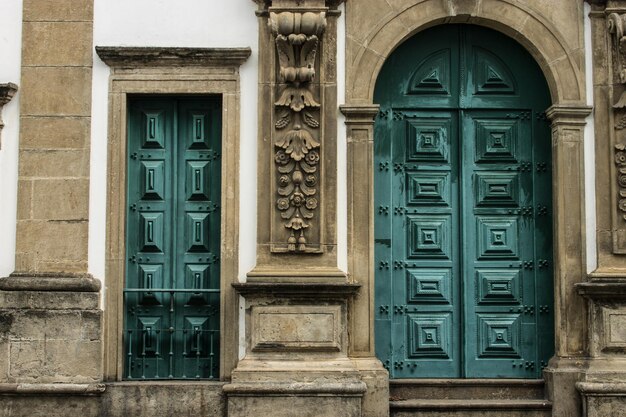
(306, 344)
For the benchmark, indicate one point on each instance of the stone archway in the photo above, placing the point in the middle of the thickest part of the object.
(373, 32)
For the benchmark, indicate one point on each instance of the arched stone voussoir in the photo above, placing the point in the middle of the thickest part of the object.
(557, 60)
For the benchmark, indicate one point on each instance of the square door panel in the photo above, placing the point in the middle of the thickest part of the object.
(497, 238)
(499, 335)
(499, 286)
(429, 237)
(430, 335)
(429, 285)
(428, 140)
(495, 189)
(428, 188)
(497, 140)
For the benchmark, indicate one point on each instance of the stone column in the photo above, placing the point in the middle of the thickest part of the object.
(50, 330)
(360, 151)
(567, 366)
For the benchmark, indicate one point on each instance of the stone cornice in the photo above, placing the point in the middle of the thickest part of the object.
(25, 281)
(132, 57)
(317, 290)
(605, 289)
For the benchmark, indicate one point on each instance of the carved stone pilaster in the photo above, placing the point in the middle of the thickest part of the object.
(7, 91)
(616, 25)
(297, 138)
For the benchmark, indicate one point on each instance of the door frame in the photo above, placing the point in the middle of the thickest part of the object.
(366, 53)
(171, 71)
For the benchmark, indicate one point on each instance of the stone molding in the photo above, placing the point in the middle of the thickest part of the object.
(357, 115)
(300, 289)
(560, 114)
(7, 91)
(52, 389)
(603, 289)
(19, 281)
(133, 57)
(602, 388)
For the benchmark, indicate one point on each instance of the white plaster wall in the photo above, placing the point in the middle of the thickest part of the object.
(590, 153)
(193, 23)
(10, 64)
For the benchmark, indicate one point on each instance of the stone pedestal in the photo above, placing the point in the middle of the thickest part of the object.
(50, 330)
(603, 390)
(296, 352)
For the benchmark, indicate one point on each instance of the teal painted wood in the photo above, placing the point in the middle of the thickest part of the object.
(173, 239)
(463, 239)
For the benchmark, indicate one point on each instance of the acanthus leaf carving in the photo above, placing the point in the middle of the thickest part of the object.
(620, 162)
(297, 140)
(616, 25)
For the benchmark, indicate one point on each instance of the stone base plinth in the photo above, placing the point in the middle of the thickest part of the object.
(329, 396)
(50, 330)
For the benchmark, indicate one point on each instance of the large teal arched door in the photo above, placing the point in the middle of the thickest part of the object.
(463, 230)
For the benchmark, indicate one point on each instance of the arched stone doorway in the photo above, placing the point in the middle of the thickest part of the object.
(372, 34)
(463, 226)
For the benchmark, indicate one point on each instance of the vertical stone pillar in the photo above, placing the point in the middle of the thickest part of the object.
(55, 107)
(297, 355)
(360, 125)
(50, 321)
(567, 366)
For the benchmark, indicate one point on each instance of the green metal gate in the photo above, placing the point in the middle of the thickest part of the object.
(463, 229)
(172, 291)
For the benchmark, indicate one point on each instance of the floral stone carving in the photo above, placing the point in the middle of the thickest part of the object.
(297, 138)
(620, 161)
(617, 25)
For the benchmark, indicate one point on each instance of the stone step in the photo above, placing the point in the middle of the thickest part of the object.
(467, 389)
(470, 408)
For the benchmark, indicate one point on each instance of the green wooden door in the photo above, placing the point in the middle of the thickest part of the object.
(463, 232)
(173, 239)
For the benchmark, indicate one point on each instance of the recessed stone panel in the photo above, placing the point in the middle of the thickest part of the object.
(296, 328)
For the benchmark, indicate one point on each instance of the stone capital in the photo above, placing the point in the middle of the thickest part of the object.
(360, 114)
(570, 115)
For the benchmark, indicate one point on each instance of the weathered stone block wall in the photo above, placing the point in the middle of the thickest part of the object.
(49, 337)
(53, 185)
(50, 323)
